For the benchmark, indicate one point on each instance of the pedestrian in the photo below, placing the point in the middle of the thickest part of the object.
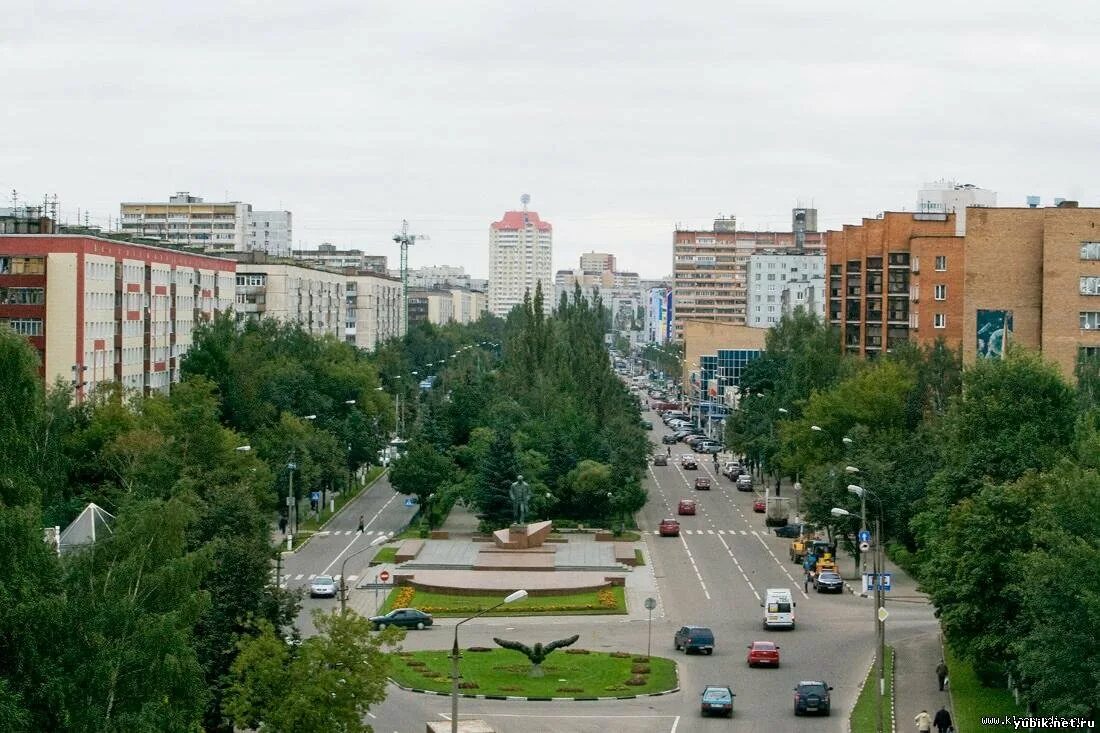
(923, 721)
(806, 582)
(282, 524)
(942, 721)
(941, 673)
(669, 449)
(361, 526)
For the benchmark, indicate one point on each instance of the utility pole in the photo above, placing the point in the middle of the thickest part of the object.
(405, 239)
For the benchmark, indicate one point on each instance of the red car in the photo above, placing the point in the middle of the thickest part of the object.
(669, 528)
(702, 483)
(759, 506)
(763, 652)
(687, 506)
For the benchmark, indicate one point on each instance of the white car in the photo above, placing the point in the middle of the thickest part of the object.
(322, 585)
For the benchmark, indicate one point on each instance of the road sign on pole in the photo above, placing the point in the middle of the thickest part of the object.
(883, 614)
(864, 536)
(864, 546)
(885, 581)
(384, 576)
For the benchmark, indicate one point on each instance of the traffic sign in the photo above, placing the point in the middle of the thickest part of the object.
(315, 496)
(411, 501)
(883, 614)
(864, 536)
(885, 581)
(864, 546)
(650, 603)
(384, 575)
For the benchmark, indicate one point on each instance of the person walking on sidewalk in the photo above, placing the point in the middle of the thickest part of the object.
(942, 721)
(282, 524)
(923, 721)
(941, 673)
(360, 524)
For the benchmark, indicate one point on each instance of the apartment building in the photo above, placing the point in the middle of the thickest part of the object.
(373, 308)
(100, 311)
(597, 262)
(658, 317)
(949, 197)
(468, 305)
(778, 283)
(188, 221)
(896, 279)
(291, 293)
(436, 276)
(327, 255)
(710, 268)
(520, 248)
(715, 355)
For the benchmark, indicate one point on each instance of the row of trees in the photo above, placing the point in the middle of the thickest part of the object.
(986, 479)
(170, 622)
(546, 406)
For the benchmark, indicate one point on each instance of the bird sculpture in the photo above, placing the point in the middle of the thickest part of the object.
(538, 653)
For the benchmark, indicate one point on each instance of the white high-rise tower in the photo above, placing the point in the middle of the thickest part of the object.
(519, 258)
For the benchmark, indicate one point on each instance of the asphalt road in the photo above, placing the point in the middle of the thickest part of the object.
(715, 574)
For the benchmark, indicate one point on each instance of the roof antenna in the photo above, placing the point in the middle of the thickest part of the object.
(525, 199)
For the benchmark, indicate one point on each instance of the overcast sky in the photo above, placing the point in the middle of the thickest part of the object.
(621, 119)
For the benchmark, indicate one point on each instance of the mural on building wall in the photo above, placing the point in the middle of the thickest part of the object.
(994, 329)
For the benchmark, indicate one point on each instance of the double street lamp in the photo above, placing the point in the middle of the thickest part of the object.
(511, 598)
(343, 566)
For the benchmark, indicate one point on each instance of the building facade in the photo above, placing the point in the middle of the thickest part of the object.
(100, 311)
(327, 255)
(710, 268)
(291, 293)
(520, 248)
(436, 276)
(894, 280)
(715, 355)
(597, 262)
(468, 305)
(949, 197)
(779, 283)
(271, 232)
(658, 319)
(373, 309)
(188, 221)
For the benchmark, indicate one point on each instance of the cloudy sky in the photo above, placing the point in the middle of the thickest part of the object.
(621, 119)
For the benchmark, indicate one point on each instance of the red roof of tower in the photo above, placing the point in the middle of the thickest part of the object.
(515, 220)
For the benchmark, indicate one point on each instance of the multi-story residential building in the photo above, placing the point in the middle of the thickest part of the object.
(781, 282)
(597, 262)
(468, 305)
(715, 355)
(269, 231)
(658, 318)
(710, 267)
(418, 308)
(100, 311)
(326, 255)
(520, 247)
(436, 276)
(291, 293)
(896, 279)
(373, 309)
(948, 197)
(438, 302)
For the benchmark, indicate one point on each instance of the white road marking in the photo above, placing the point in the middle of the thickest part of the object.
(675, 723)
(299, 576)
(353, 539)
(798, 586)
(710, 531)
(695, 567)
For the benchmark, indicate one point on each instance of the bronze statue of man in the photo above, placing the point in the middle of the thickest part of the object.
(520, 494)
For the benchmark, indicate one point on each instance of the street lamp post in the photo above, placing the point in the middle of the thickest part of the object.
(343, 566)
(862, 494)
(511, 598)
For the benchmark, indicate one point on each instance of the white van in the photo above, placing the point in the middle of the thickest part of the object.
(778, 609)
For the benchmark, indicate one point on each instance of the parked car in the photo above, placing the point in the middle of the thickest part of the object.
(811, 697)
(693, 439)
(744, 482)
(791, 531)
(669, 528)
(717, 701)
(694, 639)
(669, 439)
(731, 470)
(759, 505)
(763, 652)
(702, 483)
(707, 446)
(322, 586)
(406, 618)
(828, 582)
(687, 461)
(660, 459)
(681, 434)
(686, 506)
(646, 425)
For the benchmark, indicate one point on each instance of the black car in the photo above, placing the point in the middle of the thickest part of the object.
(408, 618)
(828, 582)
(646, 425)
(811, 697)
(669, 439)
(790, 531)
(694, 639)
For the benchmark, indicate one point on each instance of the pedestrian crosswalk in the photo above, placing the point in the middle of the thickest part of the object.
(718, 531)
(311, 576)
(349, 532)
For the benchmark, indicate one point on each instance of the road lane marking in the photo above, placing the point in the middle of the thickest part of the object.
(695, 567)
(675, 723)
(299, 576)
(353, 539)
(739, 568)
(798, 586)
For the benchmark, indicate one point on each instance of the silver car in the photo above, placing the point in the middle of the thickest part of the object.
(322, 586)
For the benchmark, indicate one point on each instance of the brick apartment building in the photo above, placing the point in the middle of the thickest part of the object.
(102, 311)
(894, 280)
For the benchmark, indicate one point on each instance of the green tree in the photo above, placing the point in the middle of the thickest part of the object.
(422, 471)
(327, 683)
(498, 471)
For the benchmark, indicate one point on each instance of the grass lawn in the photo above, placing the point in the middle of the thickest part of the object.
(505, 672)
(639, 558)
(386, 554)
(628, 536)
(314, 523)
(972, 701)
(443, 605)
(863, 714)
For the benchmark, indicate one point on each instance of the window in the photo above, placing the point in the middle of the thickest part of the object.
(940, 292)
(1090, 250)
(25, 326)
(1090, 286)
(939, 320)
(1090, 320)
(941, 263)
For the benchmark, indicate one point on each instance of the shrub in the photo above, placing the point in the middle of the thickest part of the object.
(636, 681)
(467, 685)
(641, 660)
(577, 651)
(511, 689)
(620, 655)
(570, 689)
(415, 663)
(640, 669)
(479, 649)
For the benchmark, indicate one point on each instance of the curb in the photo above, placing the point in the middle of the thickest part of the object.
(321, 528)
(541, 698)
(859, 691)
